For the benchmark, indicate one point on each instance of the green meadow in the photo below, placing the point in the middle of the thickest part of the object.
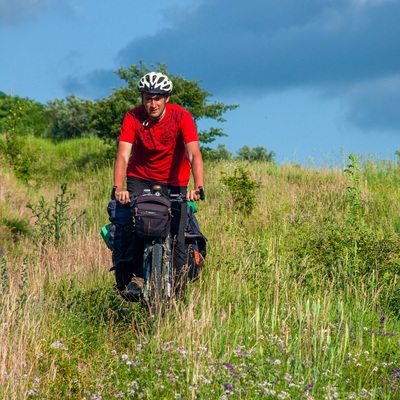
(299, 297)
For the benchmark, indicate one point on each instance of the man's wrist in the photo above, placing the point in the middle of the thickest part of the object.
(118, 188)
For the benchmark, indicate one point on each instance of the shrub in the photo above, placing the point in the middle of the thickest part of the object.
(21, 157)
(243, 190)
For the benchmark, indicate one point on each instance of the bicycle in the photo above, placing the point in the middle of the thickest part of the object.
(151, 222)
(152, 212)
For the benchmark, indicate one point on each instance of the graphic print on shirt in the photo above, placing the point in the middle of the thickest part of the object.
(160, 135)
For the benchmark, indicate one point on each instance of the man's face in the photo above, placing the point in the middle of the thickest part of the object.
(154, 104)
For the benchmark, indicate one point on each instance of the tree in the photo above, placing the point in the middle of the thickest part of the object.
(34, 122)
(218, 154)
(258, 153)
(110, 112)
(70, 118)
(14, 145)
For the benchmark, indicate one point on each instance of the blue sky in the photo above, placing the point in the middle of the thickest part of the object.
(315, 79)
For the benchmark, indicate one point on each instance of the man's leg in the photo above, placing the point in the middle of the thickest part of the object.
(121, 240)
(135, 187)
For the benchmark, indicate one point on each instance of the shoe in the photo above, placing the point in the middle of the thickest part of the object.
(133, 292)
(135, 287)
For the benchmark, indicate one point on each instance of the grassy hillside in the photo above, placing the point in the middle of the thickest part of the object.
(298, 300)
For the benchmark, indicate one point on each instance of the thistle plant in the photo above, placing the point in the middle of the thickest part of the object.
(52, 219)
(354, 191)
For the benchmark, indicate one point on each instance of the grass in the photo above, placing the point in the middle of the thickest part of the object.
(299, 300)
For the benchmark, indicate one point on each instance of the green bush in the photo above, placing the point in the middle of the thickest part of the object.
(243, 190)
(20, 156)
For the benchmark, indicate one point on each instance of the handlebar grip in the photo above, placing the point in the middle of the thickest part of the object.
(114, 188)
(202, 195)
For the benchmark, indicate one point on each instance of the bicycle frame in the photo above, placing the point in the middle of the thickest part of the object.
(157, 264)
(166, 265)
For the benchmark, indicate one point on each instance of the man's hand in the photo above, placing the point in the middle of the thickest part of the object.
(122, 196)
(195, 194)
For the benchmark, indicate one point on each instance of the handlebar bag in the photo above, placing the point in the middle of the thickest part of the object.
(152, 216)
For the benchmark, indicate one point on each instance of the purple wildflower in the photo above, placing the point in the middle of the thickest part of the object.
(232, 369)
(309, 387)
(228, 387)
(395, 373)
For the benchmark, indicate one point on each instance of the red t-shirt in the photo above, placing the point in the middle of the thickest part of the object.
(159, 152)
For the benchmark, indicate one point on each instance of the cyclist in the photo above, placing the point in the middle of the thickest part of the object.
(158, 144)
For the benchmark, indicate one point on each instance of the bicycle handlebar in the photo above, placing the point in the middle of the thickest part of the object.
(181, 198)
(174, 197)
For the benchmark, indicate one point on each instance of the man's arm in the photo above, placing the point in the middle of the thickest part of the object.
(196, 162)
(120, 167)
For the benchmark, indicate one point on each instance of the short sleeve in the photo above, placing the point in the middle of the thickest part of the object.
(128, 128)
(188, 127)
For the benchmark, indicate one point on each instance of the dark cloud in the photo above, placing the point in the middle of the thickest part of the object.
(95, 85)
(348, 49)
(266, 45)
(375, 105)
(272, 44)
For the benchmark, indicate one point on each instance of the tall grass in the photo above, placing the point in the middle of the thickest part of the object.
(297, 300)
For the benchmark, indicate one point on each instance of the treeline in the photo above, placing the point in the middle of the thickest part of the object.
(74, 117)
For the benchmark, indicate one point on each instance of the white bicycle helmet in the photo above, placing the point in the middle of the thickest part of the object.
(155, 82)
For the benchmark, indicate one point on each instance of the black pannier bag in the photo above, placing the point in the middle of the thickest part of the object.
(152, 216)
(196, 246)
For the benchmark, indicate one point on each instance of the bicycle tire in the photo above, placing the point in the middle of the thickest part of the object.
(156, 289)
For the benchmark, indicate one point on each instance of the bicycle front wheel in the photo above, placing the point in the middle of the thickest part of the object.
(156, 292)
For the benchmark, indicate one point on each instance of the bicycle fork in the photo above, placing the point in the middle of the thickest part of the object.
(167, 264)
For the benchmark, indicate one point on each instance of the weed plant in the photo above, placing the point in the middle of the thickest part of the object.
(299, 299)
